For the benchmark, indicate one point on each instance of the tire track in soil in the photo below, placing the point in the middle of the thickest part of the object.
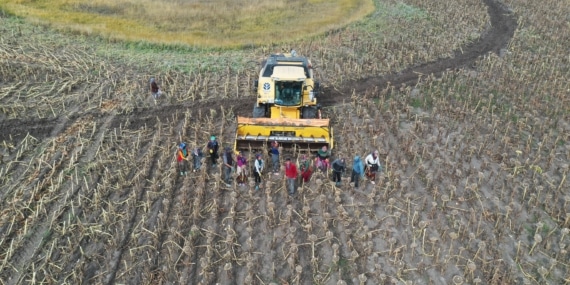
(76, 256)
(122, 246)
(503, 26)
(245, 198)
(281, 230)
(90, 269)
(163, 232)
(266, 225)
(185, 262)
(323, 247)
(20, 260)
(213, 181)
(81, 252)
(300, 239)
(153, 224)
(61, 124)
(184, 227)
(219, 195)
(220, 275)
(191, 273)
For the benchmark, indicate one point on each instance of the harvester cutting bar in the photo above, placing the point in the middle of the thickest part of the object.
(257, 133)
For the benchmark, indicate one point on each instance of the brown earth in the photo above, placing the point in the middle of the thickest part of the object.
(92, 211)
(503, 26)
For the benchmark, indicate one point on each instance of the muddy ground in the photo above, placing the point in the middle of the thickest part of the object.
(93, 195)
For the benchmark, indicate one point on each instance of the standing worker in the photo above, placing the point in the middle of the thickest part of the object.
(154, 89)
(182, 158)
(241, 170)
(274, 151)
(213, 147)
(304, 163)
(357, 171)
(258, 169)
(291, 174)
(228, 165)
(372, 166)
(306, 168)
(322, 159)
(338, 167)
(197, 158)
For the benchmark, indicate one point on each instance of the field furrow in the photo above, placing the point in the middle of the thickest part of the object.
(81, 153)
(466, 103)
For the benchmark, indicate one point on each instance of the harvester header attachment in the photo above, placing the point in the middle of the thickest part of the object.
(258, 133)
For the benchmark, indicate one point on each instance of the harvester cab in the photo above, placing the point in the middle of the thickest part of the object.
(286, 109)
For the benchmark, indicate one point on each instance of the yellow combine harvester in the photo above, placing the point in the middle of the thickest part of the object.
(286, 110)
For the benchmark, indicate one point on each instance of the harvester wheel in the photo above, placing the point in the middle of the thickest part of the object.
(309, 113)
(258, 112)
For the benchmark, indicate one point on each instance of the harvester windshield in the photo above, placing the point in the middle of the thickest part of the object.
(288, 93)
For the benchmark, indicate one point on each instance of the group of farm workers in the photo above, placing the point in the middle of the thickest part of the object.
(306, 165)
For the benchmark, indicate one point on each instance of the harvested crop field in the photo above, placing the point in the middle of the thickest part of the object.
(466, 101)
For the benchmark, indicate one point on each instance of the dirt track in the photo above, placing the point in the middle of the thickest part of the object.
(503, 26)
(164, 220)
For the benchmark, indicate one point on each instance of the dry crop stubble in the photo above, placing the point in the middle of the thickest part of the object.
(473, 161)
(468, 152)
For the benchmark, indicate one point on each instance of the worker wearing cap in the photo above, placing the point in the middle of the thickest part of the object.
(182, 157)
(338, 166)
(373, 165)
(213, 147)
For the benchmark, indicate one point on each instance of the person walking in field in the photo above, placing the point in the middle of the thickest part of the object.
(274, 151)
(241, 170)
(182, 158)
(291, 175)
(372, 166)
(197, 158)
(154, 89)
(213, 147)
(258, 165)
(357, 171)
(338, 167)
(228, 165)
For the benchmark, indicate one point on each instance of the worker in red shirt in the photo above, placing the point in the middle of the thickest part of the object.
(291, 175)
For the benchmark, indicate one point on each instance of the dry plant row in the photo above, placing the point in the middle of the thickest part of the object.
(161, 219)
(358, 52)
(63, 213)
(466, 110)
(475, 169)
(28, 243)
(28, 196)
